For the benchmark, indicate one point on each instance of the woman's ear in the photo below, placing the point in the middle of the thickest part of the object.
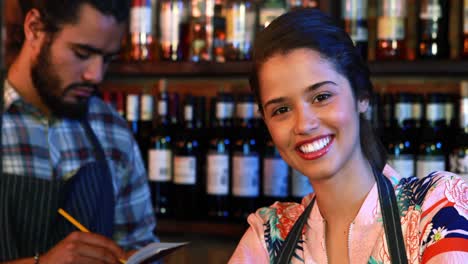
(363, 105)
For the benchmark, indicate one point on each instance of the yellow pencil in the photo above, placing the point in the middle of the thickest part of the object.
(78, 225)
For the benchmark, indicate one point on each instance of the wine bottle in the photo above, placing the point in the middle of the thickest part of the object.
(160, 155)
(354, 16)
(464, 51)
(240, 28)
(431, 156)
(145, 124)
(391, 30)
(459, 153)
(433, 29)
(142, 42)
(187, 171)
(172, 15)
(132, 113)
(275, 178)
(218, 158)
(245, 160)
(401, 147)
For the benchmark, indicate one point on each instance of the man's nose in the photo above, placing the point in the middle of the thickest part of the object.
(306, 120)
(94, 72)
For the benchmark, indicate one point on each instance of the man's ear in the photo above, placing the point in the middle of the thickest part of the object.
(363, 105)
(33, 28)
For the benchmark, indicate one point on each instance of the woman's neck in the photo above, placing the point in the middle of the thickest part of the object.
(340, 197)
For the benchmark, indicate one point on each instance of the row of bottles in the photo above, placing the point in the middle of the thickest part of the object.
(218, 165)
(221, 30)
(199, 30)
(426, 135)
(221, 163)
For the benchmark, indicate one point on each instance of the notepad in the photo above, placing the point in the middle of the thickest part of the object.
(154, 251)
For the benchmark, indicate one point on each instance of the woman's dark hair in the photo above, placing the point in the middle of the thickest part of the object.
(312, 29)
(56, 13)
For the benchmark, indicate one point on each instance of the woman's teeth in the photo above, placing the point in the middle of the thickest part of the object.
(315, 146)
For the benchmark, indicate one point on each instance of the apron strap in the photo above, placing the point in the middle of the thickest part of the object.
(391, 222)
(391, 219)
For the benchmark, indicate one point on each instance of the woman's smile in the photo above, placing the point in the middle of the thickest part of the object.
(315, 147)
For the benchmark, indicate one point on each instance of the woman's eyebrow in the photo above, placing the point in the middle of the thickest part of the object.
(310, 88)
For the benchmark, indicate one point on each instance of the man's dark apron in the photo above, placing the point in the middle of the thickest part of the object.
(29, 222)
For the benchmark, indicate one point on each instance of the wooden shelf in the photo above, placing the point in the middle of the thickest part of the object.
(209, 228)
(428, 69)
(179, 69)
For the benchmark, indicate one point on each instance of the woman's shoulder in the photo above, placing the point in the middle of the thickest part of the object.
(438, 187)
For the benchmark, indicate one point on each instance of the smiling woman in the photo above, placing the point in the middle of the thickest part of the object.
(313, 89)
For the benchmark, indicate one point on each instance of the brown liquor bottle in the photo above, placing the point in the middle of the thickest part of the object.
(391, 25)
(465, 30)
(141, 44)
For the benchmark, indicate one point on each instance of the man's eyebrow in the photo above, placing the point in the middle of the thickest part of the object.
(95, 50)
(310, 88)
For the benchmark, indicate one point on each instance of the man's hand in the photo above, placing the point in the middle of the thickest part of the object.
(87, 248)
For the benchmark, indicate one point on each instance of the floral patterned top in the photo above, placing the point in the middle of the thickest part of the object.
(434, 219)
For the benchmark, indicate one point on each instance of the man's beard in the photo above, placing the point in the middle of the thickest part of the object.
(47, 83)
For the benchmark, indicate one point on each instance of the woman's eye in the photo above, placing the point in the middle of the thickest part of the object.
(280, 110)
(322, 97)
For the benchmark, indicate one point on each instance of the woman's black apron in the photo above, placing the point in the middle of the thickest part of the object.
(29, 222)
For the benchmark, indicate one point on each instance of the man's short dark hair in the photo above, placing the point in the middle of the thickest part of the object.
(55, 13)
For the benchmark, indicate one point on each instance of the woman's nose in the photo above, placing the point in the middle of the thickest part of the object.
(306, 120)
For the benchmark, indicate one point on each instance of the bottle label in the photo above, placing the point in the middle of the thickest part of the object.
(132, 107)
(275, 177)
(245, 176)
(435, 111)
(170, 19)
(449, 112)
(249, 29)
(147, 106)
(403, 164)
(162, 108)
(140, 20)
(160, 166)
(432, 11)
(354, 9)
(417, 111)
(464, 112)
(188, 113)
(221, 110)
(229, 110)
(428, 164)
(217, 182)
(394, 8)
(403, 111)
(185, 170)
(391, 28)
(300, 184)
(245, 110)
(236, 24)
(269, 14)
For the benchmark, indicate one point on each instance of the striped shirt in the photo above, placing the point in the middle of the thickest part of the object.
(56, 148)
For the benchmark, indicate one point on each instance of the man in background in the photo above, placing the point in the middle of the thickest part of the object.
(65, 148)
